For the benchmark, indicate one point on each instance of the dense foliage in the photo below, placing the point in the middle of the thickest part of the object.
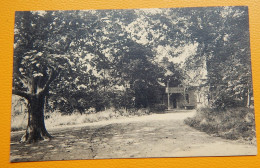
(78, 60)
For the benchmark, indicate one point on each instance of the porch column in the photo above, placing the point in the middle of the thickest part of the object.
(168, 96)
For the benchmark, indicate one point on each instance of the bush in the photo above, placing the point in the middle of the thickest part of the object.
(224, 101)
(232, 123)
(158, 108)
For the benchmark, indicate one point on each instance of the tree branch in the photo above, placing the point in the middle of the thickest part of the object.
(21, 79)
(50, 79)
(21, 93)
(68, 42)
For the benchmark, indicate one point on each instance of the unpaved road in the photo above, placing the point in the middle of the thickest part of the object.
(157, 135)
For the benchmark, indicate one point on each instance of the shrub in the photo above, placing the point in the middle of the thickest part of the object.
(158, 108)
(232, 123)
(224, 101)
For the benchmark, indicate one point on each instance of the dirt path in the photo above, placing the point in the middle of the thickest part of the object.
(157, 135)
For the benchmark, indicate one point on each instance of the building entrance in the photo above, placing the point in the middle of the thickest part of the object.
(174, 103)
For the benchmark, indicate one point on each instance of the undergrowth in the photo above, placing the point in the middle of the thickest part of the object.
(233, 123)
(54, 119)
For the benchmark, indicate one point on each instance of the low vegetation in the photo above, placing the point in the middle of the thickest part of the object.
(54, 119)
(231, 123)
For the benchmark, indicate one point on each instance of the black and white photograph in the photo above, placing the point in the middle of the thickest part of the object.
(132, 83)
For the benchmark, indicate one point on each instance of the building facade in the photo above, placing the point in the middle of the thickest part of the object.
(186, 98)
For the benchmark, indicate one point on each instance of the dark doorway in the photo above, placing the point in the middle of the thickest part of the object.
(174, 102)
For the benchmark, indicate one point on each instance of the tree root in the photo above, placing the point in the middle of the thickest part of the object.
(35, 136)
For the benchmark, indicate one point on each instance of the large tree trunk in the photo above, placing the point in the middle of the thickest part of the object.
(38, 89)
(36, 127)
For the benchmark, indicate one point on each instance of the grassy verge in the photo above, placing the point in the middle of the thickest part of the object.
(54, 119)
(233, 123)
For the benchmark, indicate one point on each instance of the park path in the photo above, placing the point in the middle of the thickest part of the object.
(156, 135)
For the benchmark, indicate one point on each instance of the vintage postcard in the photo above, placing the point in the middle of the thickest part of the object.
(135, 83)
